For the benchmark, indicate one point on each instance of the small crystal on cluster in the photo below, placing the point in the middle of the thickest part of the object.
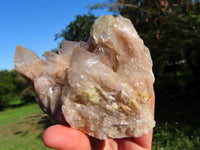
(102, 88)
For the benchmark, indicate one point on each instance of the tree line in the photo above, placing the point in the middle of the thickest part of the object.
(171, 30)
(14, 89)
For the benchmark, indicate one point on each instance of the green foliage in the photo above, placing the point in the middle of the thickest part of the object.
(13, 88)
(78, 30)
(168, 136)
(171, 30)
(7, 87)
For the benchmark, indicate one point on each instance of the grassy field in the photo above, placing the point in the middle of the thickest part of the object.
(21, 128)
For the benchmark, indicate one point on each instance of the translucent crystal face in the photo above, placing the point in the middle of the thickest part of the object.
(102, 87)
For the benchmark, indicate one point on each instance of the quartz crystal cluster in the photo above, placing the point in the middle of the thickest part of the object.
(102, 87)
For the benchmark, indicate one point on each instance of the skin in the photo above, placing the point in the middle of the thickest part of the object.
(62, 137)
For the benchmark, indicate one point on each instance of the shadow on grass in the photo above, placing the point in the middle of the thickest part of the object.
(37, 122)
(44, 122)
(21, 133)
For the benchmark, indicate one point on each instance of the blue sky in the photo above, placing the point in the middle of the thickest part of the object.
(34, 23)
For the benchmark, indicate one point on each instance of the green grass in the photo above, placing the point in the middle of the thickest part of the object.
(22, 128)
(176, 136)
(15, 101)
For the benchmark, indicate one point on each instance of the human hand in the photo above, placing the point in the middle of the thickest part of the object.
(62, 137)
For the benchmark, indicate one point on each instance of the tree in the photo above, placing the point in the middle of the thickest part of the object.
(78, 30)
(13, 86)
(171, 30)
(9, 86)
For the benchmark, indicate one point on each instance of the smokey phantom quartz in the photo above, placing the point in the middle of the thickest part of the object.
(102, 88)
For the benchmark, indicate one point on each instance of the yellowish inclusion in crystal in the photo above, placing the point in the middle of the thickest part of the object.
(91, 94)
